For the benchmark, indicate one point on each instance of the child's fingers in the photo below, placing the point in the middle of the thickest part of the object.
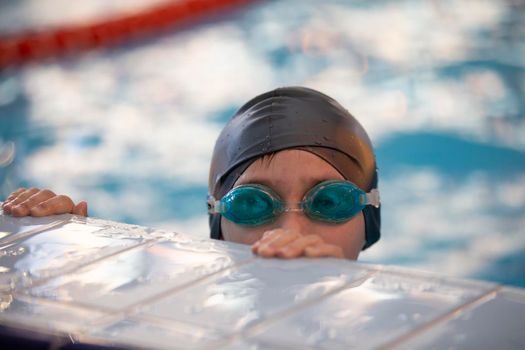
(297, 247)
(22, 196)
(56, 205)
(23, 208)
(14, 194)
(81, 209)
(266, 237)
(270, 245)
(324, 250)
(36, 202)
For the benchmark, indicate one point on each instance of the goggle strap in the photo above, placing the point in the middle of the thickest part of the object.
(214, 206)
(373, 198)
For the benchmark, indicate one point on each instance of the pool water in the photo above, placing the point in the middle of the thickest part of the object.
(440, 87)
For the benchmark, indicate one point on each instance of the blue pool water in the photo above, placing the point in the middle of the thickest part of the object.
(439, 86)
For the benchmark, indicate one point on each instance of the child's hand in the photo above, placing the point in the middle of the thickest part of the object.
(290, 244)
(36, 202)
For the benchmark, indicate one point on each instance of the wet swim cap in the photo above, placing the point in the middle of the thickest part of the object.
(294, 118)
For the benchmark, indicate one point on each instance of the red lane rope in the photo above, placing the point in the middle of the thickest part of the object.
(19, 49)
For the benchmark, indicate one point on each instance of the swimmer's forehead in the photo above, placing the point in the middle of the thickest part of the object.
(286, 167)
(275, 181)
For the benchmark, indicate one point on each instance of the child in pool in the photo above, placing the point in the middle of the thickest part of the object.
(292, 174)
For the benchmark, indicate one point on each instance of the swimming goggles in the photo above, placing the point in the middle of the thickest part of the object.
(332, 201)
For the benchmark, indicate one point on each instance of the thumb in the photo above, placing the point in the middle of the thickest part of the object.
(81, 209)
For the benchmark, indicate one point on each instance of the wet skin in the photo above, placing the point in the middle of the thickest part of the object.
(36, 202)
(291, 173)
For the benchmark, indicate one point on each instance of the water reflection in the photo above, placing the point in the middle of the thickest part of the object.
(439, 88)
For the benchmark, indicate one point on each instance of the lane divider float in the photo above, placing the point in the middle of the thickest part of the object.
(30, 46)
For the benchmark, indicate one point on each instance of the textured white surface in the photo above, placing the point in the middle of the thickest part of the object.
(114, 284)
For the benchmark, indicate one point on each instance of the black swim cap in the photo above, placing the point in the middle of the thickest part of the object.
(294, 118)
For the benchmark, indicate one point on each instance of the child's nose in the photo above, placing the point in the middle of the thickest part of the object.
(295, 221)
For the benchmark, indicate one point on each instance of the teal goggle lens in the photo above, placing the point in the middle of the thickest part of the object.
(334, 201)
(331, 201)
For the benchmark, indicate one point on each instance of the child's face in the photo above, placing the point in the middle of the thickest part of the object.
(292, 173)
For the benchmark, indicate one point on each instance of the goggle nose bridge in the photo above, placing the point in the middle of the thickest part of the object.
(293, 207)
